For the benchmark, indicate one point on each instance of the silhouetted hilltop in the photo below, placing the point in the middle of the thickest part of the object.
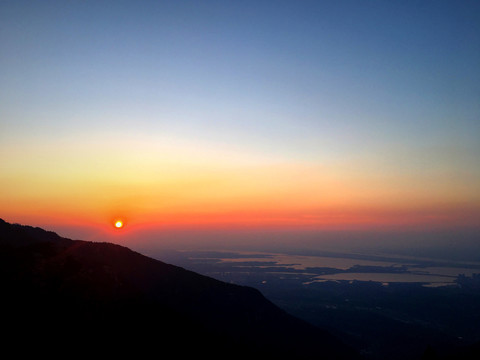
(65, 297)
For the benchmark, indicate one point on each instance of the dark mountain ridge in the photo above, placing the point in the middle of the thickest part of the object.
(61, 295)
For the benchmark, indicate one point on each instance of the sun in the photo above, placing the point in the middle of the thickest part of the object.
(119, 224)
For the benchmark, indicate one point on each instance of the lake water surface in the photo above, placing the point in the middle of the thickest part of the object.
(344, 267)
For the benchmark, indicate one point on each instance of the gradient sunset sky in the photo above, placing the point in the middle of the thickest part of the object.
(239, 114)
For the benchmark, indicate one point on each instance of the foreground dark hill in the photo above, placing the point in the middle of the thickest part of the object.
(62, 297)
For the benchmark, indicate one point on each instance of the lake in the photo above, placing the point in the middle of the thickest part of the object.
(330, 267)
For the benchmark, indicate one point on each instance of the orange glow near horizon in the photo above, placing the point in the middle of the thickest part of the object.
(178, 186)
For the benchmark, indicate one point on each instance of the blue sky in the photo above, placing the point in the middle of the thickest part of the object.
(253, 66)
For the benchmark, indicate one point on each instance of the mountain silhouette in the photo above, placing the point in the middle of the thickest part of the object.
(63, 297)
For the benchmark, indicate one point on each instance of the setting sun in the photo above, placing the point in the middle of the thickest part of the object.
(119, 224)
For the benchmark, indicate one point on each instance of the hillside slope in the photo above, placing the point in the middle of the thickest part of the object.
(61, 295)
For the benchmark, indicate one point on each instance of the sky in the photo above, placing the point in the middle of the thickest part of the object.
(240, 116)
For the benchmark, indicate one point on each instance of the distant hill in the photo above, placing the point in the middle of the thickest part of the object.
(62, 297)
